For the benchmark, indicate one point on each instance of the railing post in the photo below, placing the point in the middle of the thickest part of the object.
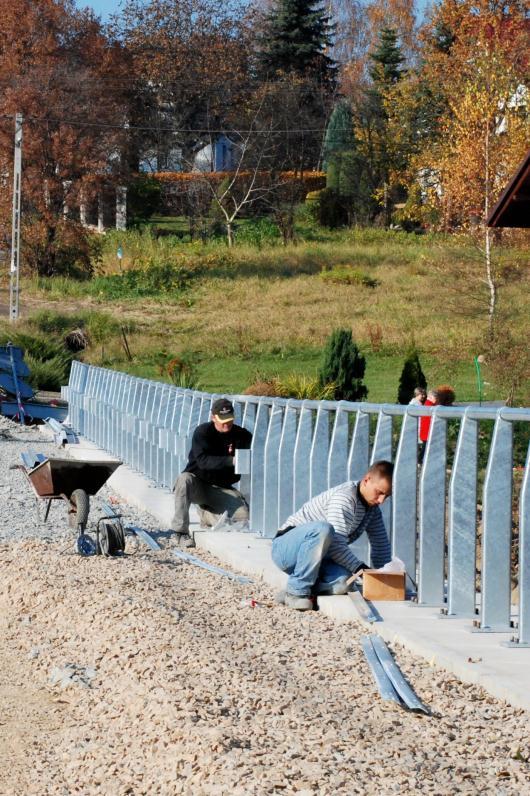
(432, 516)
(270, 480)
(404, 495)
(338, 449)
(382, 449)
(302, 448)
(318, 456)
(462, 528)
(286, 464)
(257, 473)
(497, 532)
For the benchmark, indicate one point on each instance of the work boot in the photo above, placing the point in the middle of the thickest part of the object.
(185, 541)
(298, 602)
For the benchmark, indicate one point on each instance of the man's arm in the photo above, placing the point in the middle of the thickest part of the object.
(340, 514)
(379, 543)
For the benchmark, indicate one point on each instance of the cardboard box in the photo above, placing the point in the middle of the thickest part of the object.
(383, 585)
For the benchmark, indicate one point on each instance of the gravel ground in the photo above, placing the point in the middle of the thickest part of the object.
(143, 675)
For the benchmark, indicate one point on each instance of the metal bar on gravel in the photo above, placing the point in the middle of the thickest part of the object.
(394, 673)
(144, 536)
(210, 567)
(383, 682)
(364, 609)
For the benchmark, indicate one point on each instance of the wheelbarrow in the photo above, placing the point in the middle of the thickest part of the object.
(66, 479)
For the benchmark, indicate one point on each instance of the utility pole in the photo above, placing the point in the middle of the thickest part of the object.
(15, 230)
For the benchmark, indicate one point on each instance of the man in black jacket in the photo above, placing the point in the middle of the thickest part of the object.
(209, 475)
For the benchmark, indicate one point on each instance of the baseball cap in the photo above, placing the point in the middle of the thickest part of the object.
(223, 410)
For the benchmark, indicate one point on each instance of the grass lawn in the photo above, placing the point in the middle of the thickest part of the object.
(265, 309)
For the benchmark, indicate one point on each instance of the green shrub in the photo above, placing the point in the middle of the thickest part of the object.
(292, 385)
(412, 376)
(259, 232)
(346, 275)
(343, 366)
(50, 374)
(164, 278)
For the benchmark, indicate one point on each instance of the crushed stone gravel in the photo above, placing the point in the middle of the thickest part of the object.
(145, 675)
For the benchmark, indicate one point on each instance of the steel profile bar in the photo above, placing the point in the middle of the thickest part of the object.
(382, 680)
(198, 562)
(363, 608)
(395, 675)
(144, 536)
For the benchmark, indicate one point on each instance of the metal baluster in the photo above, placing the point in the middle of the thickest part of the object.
(338, 449)
(318, 457)
(404, 495)
(382, 449)
(497, 531)
(462, 528)
(271, 456)
(357, 466)
(302, 450)
(523, 631)
(249, 419)
(359, 450)
(257, 469)
(286, 464)
(432, 516)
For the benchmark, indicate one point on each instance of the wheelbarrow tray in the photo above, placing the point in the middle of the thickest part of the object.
(56, 477)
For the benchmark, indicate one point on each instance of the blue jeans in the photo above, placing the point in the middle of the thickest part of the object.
(301, 552)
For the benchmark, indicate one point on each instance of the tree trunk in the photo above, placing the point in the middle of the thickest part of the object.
(229, 234)
(492, 287)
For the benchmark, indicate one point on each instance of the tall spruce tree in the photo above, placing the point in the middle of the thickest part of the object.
(345, 366)
(296, 35)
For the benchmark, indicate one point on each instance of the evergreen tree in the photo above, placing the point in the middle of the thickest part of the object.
(339, 133)
(412, 376)
(345, 366)
(295, 38)
(386, 59)
(375, 142)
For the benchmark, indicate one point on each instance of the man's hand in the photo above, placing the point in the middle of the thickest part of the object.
(231, 450)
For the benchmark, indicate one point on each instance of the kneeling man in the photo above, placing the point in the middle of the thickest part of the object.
(312, 545)
(209, 476)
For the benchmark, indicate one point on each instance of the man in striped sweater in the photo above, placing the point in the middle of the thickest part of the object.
(312, 545)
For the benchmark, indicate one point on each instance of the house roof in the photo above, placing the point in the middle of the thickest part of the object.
(513, 207)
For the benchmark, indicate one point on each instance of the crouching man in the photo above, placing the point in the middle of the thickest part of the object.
(209, 476)
(312, 545)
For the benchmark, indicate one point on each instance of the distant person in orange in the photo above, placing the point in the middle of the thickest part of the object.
(433, 399)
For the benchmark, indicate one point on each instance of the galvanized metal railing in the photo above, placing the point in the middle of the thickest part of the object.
(301, 448)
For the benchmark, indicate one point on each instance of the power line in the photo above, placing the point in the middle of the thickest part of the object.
(145, 128)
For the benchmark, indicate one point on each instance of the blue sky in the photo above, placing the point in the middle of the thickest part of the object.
(103, 8)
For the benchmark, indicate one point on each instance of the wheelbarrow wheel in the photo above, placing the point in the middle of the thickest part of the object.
(78, 514)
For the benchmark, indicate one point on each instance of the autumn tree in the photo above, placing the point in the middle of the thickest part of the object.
(482, 72)
(189, 66)
(61, 73)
